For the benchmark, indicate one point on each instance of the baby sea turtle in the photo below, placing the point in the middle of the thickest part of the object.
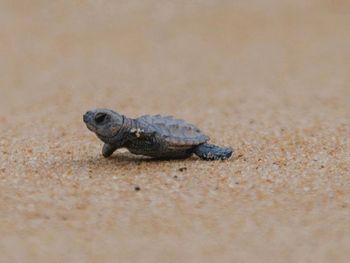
(156, 136)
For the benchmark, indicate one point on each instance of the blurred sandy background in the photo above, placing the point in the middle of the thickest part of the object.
(269, 78)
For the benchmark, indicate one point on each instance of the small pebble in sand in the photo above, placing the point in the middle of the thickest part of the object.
(182, 169)
(137, 188)
(306, 189)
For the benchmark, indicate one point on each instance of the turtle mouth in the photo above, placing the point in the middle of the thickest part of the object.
(90, 127)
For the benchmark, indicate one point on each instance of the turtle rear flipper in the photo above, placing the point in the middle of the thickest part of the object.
(210, 152)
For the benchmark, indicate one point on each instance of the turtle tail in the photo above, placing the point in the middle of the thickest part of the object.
(211, 152)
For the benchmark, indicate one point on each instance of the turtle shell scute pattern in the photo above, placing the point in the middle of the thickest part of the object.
(174, 131)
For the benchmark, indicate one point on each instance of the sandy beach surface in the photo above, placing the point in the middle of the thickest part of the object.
(268, 78)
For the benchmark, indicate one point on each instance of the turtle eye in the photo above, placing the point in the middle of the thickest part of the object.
(100, 117)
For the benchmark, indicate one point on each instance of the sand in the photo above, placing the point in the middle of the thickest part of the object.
(268, 78)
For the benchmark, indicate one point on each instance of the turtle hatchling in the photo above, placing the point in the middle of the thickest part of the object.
(163, 137)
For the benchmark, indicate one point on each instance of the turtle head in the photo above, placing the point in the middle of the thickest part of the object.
(105, 123)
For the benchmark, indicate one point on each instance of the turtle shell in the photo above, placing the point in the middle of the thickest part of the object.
(176, 132)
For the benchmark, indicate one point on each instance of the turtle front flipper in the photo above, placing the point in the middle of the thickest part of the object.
(108, 150)
(211, 152)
